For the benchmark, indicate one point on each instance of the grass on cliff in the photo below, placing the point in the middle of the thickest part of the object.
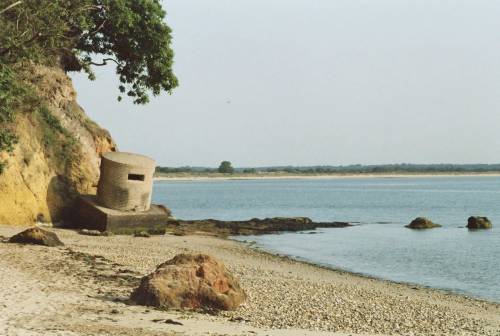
(16, 96)
(11, 93)
(56, 140)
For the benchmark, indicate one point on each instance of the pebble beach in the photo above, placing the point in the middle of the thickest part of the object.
(83, 289)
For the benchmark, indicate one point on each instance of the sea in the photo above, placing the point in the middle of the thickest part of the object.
(450, 258)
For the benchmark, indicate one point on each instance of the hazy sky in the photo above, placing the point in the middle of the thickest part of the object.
(307, 82)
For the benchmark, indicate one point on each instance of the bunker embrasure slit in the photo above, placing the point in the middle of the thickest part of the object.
(136, 177)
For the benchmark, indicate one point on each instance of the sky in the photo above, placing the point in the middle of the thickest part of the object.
(317, 82)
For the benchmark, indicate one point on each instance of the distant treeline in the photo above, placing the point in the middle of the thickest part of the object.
(350, 169)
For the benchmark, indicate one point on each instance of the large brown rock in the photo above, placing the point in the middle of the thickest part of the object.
(479, 223)
(36, 236)
(422, 223)
(190, 281)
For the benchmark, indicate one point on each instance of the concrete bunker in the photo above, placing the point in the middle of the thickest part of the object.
(123, 200)
(126, 181)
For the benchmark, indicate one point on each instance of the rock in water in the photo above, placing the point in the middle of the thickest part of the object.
(36, 236)
(422, 223)
(190, 281)
(475, 222)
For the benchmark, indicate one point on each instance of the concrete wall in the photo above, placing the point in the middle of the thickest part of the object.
(126, 181)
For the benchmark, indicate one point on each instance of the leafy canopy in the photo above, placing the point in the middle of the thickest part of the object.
(77, 35)
(225, 167)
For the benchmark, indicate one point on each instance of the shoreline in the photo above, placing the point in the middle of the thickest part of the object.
(253, 246)
(285, 296)
(221, 177)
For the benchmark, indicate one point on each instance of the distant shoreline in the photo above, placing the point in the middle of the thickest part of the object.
(285, 176)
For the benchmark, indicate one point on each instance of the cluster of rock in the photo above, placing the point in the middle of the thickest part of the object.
(253, 226)
(473, 223)
(192, 282)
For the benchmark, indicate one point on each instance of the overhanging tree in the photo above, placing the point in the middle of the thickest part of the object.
(77, 35)
(131, 34)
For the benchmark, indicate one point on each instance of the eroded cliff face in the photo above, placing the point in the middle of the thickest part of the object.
(57, 155)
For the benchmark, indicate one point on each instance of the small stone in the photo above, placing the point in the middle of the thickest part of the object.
(142, 234)
(170, 321)
(90, 232)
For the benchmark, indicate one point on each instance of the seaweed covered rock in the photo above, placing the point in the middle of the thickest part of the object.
(36, 236)
(190, 281)
(253, 226)
(422, 223)
(476, 222)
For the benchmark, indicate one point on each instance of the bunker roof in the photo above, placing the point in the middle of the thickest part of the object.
(131, 159)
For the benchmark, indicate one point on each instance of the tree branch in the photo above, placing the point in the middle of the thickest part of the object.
(104, 62)
(96, 30)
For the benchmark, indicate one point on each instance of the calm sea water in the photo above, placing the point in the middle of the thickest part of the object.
(450, 257)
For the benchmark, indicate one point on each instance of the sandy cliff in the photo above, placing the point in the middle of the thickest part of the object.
(57, 155)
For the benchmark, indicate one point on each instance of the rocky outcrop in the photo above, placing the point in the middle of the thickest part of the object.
(36, 236)
(49, 167)
(253, 226)
(188, 282)
(475, 223)
(422, 223)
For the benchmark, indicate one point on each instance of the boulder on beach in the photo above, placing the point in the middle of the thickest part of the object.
(36, 236)
(476, 222)
(190, 281)
(422, 223)
(142, 234)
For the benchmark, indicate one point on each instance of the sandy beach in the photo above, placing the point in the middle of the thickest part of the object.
(83, 289)
(222, 177)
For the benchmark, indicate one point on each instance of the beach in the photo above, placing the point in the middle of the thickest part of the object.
(83, 289)
(286, 176)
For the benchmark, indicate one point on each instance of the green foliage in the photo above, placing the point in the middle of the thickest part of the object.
(55, 138)
(7, 140)
(10, 93)
(37, 30)
(79, 34)
(51, 121)
(403, 168)
(226, 167)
